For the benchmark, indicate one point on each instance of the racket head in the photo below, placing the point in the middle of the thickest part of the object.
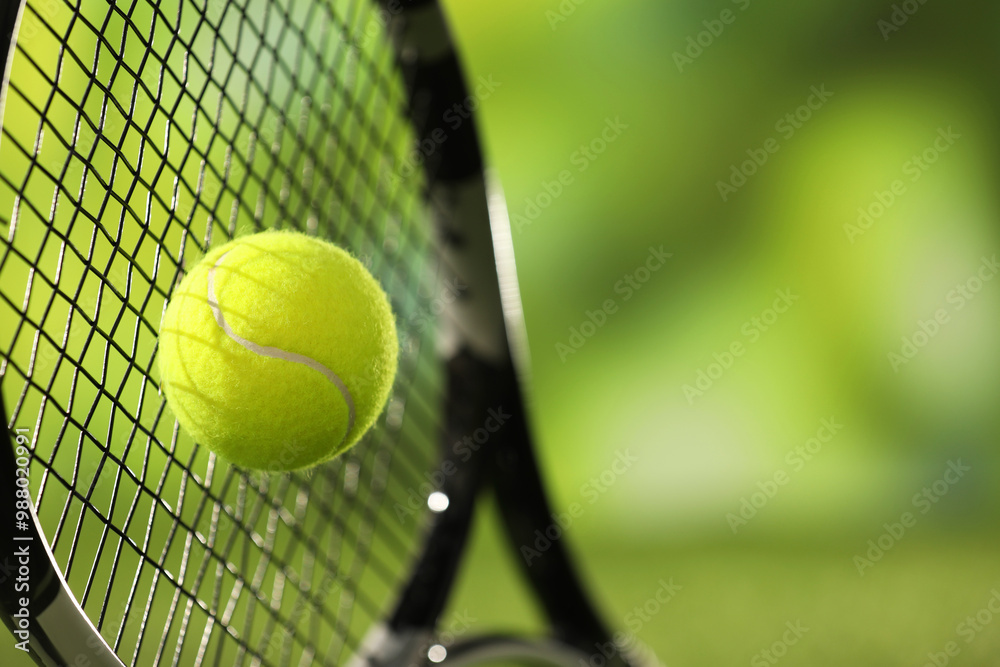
(136, 137)
(161, 132)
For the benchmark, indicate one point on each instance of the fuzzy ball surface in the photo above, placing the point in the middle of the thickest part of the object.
(277, 351)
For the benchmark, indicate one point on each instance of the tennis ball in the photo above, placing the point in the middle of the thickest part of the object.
(277, 351)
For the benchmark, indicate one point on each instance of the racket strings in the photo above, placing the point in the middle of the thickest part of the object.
(135, 136)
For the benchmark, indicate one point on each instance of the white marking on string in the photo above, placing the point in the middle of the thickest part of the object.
(274, 352)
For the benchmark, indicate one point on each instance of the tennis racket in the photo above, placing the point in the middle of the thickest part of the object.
(135, 136)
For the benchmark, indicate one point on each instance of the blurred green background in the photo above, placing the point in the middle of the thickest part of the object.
(831, 467)
(702, 88)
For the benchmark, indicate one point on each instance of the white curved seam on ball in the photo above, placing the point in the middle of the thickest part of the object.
(274, 352)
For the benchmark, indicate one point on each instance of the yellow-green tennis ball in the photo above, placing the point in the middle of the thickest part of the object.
(277, 351)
